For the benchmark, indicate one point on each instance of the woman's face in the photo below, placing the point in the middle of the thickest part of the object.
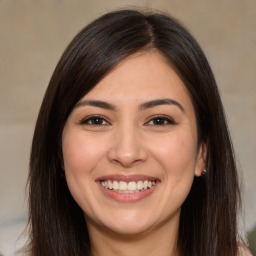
(130, 147)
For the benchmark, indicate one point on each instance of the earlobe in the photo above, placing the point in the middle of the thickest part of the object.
(200, 168)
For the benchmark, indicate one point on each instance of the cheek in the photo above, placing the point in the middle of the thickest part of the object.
(80, 153)
(177, 155)
(176, 152)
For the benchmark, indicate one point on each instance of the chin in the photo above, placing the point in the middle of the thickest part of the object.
(130, 230)
(128, 224)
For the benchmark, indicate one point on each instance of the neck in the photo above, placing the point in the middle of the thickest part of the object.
(161, 241)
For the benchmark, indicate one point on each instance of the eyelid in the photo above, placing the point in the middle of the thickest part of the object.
(164, 117)
(85, 120)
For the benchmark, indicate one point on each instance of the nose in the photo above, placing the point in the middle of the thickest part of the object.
(127, 148)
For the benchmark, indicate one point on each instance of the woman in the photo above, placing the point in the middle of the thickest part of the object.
(131, 153)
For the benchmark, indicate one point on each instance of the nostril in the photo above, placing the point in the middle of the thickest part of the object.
(127, 159)
(127, 148)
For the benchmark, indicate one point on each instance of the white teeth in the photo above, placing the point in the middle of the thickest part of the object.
(110, 185)
(130, 187)
(123, 185)
(140, 185)
(115, 185)
(145, 184)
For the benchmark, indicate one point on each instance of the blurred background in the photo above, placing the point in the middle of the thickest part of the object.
(33, 35)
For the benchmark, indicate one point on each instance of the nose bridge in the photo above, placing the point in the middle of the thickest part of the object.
(127, 147)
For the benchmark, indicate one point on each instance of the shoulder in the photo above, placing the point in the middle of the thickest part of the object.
(244, 251)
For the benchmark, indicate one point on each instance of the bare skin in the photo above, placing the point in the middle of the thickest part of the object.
(137, 245)
(136, 126)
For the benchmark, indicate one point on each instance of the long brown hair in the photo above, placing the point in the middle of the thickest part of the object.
(208, 221)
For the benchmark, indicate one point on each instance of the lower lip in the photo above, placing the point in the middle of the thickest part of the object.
(127, 197)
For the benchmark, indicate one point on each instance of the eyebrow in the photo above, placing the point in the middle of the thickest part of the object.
(143, 106)
(158, 102)
(96, 103)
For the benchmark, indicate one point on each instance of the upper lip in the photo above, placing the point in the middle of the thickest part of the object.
(126, 178)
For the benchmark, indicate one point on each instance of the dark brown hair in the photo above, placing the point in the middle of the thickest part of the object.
(208, 222)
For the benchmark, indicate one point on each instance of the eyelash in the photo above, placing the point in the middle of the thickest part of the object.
(101, 121)
(95, 121)
(160, 120)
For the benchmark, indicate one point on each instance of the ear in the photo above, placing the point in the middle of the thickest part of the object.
(201, 159)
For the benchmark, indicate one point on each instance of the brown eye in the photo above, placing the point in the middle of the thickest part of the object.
(160, 121)
(95, 120)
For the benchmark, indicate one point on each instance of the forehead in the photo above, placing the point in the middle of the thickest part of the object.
(142, 76)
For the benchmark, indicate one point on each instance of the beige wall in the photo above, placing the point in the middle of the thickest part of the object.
(33, 34)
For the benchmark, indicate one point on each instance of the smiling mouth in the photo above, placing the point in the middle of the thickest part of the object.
(128, 187)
